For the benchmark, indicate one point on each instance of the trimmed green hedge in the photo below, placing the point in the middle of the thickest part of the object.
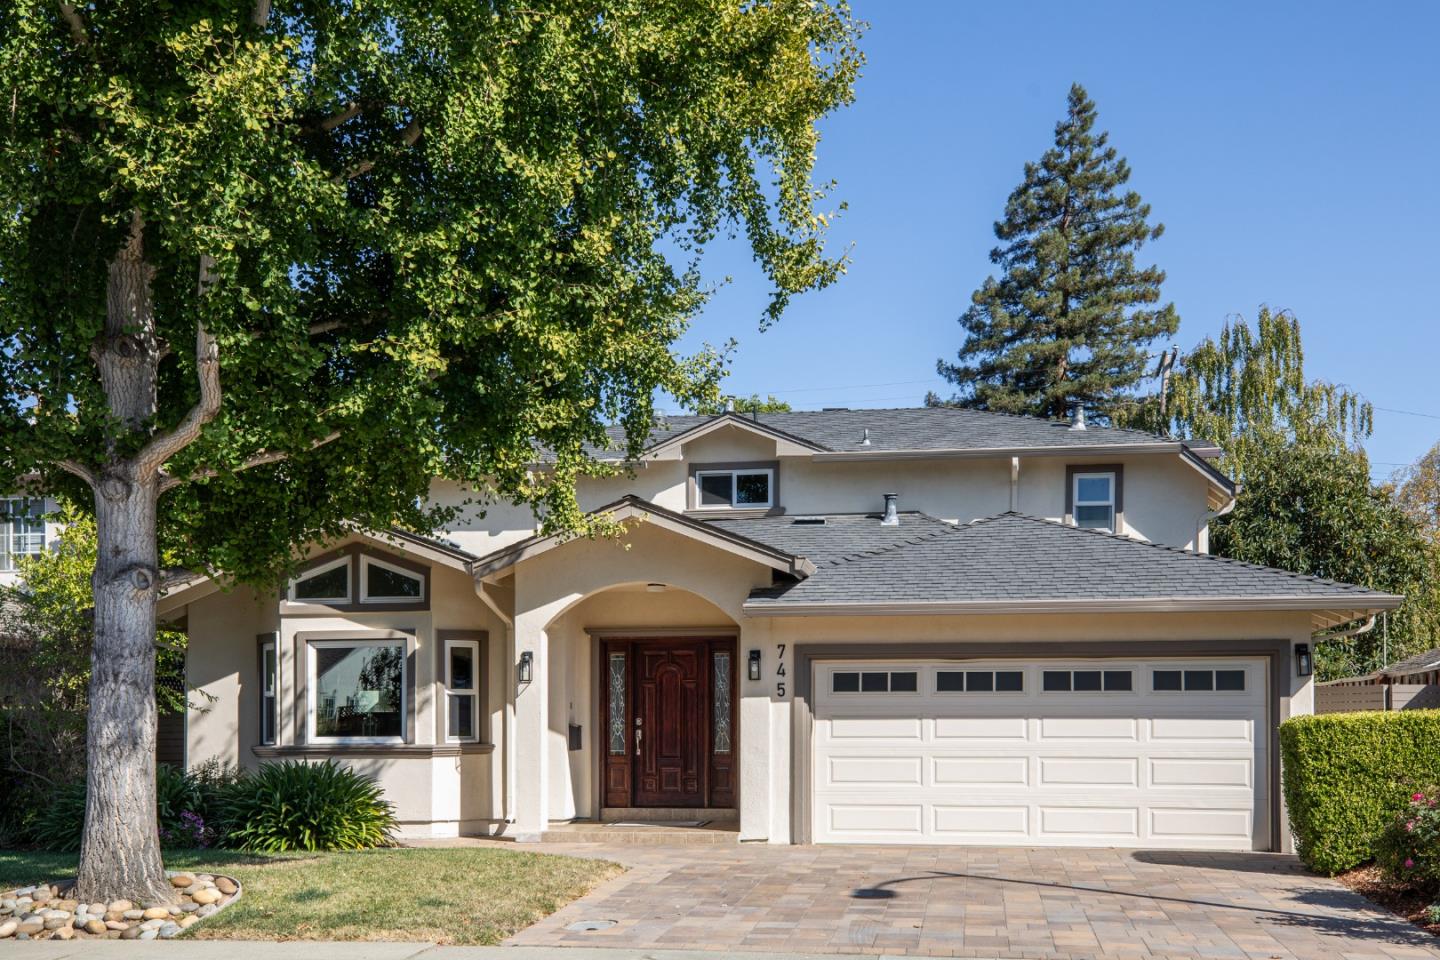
(1346, 775)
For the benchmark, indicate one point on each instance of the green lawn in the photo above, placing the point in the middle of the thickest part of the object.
(470, 896)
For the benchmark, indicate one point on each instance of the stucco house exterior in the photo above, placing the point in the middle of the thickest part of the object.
(861, 626)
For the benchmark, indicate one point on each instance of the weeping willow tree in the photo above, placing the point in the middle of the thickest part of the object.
(1306, 501)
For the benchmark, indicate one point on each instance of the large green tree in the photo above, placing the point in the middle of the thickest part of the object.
(1306, 501)
(284, 261)
(1071, 316)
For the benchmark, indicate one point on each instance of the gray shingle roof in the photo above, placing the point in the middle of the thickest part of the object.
(1016, 558)
(910, 428)
(1419, 663)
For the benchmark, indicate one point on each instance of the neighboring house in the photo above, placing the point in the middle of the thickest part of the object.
(1421, 668)
(25, 531)
(1409, 684)
(868, 626)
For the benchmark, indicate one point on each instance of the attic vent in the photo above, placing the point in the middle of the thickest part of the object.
(809, 521)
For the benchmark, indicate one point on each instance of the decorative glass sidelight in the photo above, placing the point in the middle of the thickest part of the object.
(617, 704)
(721, 700)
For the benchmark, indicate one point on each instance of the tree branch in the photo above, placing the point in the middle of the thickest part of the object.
(78, 469)
(165, 445)
(351, 111)
(409, 137)
(260, 459)
(260, 13)
(73, 19)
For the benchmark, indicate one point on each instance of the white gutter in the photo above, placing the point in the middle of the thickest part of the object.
(990, 453)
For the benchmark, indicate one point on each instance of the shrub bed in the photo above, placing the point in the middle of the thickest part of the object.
(1347, 776)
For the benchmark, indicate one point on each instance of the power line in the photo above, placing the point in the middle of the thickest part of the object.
(1411, 413)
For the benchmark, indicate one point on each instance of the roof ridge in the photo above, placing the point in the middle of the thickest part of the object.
(1214, 557)
(943, 528)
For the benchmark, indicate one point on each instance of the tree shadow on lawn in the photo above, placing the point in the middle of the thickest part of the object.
(22, 868)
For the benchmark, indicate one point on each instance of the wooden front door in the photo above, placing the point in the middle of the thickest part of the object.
(668, 716)
(670, 727)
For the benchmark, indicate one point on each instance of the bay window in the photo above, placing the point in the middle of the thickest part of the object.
(357, 690)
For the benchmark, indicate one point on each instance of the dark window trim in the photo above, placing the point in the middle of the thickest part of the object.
(692, 491)
(355, 552)
(1118, 469)
(302, 681)
(482, 684)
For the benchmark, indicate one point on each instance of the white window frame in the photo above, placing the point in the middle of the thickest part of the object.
(317, 571)
(14, 510)
(734, 476)
(473, 693)
(367, 561)
(269, 691)
(1077, 503)
(312, 687)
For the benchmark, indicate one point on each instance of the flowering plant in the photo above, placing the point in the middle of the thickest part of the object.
(1408, 850)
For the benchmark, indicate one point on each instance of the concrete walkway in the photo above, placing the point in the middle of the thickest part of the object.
(1013, 902)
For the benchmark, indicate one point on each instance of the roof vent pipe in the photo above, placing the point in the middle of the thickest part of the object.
(1077, 414)
(892, 511)
(865, 442)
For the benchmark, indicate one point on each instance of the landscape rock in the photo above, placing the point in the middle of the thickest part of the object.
(119, 906)
(182, 880)
(226, 886)
(134, 913)
(95, 926)
(206, 896)
(131, 933)
(169, 930)
(156, 913)
(8, 928)
(63, 933)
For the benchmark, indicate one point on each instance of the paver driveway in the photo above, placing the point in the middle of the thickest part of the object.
(976, 902)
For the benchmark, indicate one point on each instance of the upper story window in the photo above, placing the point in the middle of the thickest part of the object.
(327, 583)
(1093, 498)
(382, 582)
(22, 531)
(735, 489)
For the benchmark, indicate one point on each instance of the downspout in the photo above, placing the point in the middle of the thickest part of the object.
(1208, 517)
(507, 732)
(1014, 484)
(1320, 636)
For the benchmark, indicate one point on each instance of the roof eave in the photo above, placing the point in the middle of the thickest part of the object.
(1330, 609)
(984, 453)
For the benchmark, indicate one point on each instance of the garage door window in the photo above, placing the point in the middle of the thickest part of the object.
(979, 681)
(1198, 681)
(875, 681)
(1088, 681)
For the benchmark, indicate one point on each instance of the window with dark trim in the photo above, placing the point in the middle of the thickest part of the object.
(875, 681)
(357, 690)
(1197, 681)
(462, 691)
(328, 583)
(1093, 499)
(980, 681)
(382, 582)
(269, 683)
(734, 489)
(1087, 681)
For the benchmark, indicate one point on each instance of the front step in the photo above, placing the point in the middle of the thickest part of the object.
(655, 833)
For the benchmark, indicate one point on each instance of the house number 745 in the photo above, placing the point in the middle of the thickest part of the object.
(780, 669)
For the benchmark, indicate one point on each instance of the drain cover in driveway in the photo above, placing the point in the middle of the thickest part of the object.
(584, 926)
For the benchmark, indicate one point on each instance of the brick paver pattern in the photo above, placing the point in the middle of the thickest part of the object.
(1046, 904)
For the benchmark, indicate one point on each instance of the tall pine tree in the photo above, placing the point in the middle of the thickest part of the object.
(1072, 315)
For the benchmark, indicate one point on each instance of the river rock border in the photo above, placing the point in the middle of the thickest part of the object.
(47, 912)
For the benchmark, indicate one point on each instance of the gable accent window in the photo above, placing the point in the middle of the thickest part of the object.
(737, 489)
(269, 685)
(382, 582)
(462, 691)
(327, 583)
(22, 531)
(356, 691)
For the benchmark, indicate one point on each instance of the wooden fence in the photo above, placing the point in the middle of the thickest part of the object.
(1346, 698)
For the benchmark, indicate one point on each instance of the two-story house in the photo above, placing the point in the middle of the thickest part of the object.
(889, 626)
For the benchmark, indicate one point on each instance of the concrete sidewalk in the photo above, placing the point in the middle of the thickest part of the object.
(310, 950)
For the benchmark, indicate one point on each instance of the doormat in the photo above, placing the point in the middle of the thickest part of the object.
(660, 823)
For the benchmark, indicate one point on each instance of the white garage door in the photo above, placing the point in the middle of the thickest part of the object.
(1154, 753)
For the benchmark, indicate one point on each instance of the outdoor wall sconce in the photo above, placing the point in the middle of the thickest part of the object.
(527, 661)
(754, 664)
(1304, 665)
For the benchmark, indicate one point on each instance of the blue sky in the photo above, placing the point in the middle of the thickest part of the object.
(1291, 151)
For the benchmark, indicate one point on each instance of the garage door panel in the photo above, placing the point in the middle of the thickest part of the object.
(876, 770)
(1211, 729)
(980, 824)
(980, 771)
(1108, 823)
(981, 728)
(1100, 772)
(1089, 728)
(1201, 772)
(1049, 767)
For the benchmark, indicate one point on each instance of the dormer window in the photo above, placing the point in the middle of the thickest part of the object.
(734, 489)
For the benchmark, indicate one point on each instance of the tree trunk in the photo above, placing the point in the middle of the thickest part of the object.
(120, 851)
(120, 848)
